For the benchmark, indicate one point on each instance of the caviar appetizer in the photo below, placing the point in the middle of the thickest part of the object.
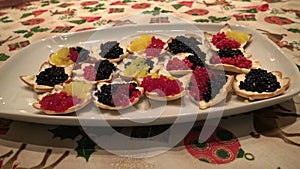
(208, 87)
(227, 38)
(138, 68)
(69, 55)
(147, 45)
(113, 51)
(260, 84)
(232, 60)
(64, 99)
(117, 95)
(164, 87)
(49, 76)
(100, 71)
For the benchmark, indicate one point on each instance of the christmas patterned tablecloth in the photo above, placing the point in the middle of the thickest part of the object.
(268, 138)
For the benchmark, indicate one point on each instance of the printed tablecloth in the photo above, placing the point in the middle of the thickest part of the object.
(267, 138)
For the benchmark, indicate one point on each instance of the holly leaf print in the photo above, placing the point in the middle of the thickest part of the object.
(20, 31)
(96, 8)
(3, 57)
(218, 19)
(156, 11)
(240, 153)
(79, 22)
(38, 29)
(201, 20)
(294, 30)
(85, 147)
(177, 6)
(28, 34)
(66, 132)
(5, 19)
(26, 15)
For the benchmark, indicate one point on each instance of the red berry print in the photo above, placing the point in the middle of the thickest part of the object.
(118, 3)
(88, 3)
(38, 12)
(197, 12)
(85, 29)
(33, 21)
(186, 3)
(278, 20)
(141, 6)
(90, 18)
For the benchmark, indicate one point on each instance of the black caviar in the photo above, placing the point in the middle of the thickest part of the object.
(182, 44)
(214, 85)
(105, 95)
(106, 92)
(83, 54)
(259, 80)
(196, 61)
(51, 76)
(104, 69)
(111, 50)
(228, 52)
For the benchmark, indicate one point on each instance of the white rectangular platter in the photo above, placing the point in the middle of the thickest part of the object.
(16, 98)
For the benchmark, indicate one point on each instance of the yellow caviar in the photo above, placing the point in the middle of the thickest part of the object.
(241, 37)
(137, 68)
(78, 89)
(142, 73)
(60, 57)
(140, 44)
(156, 75)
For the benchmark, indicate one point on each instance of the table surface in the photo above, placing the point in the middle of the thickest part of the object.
(266, 138)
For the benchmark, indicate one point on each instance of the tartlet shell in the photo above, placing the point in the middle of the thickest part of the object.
(57, 89)
(30, 79)
(284, 83)
(219, 97)
(107, 107)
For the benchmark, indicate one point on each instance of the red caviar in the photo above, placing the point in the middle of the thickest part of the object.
(162, 85)
(125, 95)
(188, 62)
(198, 84)
(155, 47)
(59, 102)
(177, 64)
(239, 61)
(89, 73)
(222, 42)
